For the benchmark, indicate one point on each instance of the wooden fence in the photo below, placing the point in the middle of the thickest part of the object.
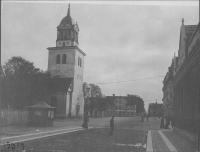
(13, 117)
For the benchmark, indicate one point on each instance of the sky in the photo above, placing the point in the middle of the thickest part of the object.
(122, 40)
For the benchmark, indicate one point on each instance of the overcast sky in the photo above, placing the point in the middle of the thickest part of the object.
(125, 41)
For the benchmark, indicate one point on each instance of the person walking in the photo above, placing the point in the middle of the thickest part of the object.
(142, 117)
(147, 117)
(162, 123)
(111, 126)
(85, 121)
(167, 122)
(172, 121)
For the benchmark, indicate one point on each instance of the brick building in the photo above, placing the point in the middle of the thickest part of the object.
(168, 92)
(186, 83)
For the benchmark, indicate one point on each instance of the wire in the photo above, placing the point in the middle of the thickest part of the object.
(130, 80)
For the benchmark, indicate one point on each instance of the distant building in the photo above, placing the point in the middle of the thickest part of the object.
(168, 92)
(155, 109)
(66, 64)
(120, 106)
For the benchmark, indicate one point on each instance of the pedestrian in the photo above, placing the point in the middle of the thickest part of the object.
(147, 117)
(172, 121)
(142, 117)
(167, 122)
(162, 123)
(111, 126)
(85, 122)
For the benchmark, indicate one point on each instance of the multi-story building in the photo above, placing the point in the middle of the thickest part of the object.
(186, 82)
(168, 92)
(155, 109)
(66, 64)
(120, 106)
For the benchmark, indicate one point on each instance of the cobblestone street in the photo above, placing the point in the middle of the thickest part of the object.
(129, 135)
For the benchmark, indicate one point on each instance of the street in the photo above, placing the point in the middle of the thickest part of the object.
(130, 135)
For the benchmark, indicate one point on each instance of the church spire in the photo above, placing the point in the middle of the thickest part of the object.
(182, 21)
(68, 12)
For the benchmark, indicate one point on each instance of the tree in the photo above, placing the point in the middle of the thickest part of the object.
(18, 65)
(91, 90)
(93, 93)
(95, 90)
(24, 84)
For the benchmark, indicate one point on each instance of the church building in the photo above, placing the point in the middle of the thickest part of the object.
(66, 64)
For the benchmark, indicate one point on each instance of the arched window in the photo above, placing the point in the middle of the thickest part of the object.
(63, 44)
(64, 59)
(58, 59)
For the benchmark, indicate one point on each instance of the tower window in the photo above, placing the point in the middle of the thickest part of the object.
(79, 61)
(58, 59)
(64, 59)
(63, 44)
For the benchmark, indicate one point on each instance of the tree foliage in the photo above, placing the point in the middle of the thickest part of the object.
(23, 84)
(19, 66)
(91, 90)
(95, 99)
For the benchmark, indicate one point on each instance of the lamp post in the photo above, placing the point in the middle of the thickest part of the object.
(77, 109)
(88, 95)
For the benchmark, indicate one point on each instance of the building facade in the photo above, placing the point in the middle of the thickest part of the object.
(186, 82)
(120, 106)
(66, 65)
(168, 93)
(155, 110)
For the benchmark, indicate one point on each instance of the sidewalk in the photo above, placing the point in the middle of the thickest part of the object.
(165, 140)
(8, 131)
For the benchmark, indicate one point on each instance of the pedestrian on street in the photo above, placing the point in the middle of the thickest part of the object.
(147, 117)
(85, 121)
(162, 123)
(167, 122)
(142, 117)
(172, 121)
(111, 126)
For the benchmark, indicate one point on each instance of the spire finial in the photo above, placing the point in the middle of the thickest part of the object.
(68, 12)
(182, 21)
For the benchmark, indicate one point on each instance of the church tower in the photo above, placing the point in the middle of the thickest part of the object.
(66, 64)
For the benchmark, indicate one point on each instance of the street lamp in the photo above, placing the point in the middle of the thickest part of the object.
(77, 109)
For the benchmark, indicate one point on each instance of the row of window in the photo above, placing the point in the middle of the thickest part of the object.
(58, 59)
(64, 59)
(122, 113)
(67, 35)
(122, 107)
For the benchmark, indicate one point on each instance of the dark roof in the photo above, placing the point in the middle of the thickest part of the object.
(189, 30)
(60, 84)
(67, 20)
(196, 30)
(42, 105)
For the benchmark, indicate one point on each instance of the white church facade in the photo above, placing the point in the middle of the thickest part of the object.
(66, 65)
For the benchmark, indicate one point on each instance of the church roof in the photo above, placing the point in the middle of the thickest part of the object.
(67, 20)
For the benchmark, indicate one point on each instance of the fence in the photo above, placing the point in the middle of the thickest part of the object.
(13, 117)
